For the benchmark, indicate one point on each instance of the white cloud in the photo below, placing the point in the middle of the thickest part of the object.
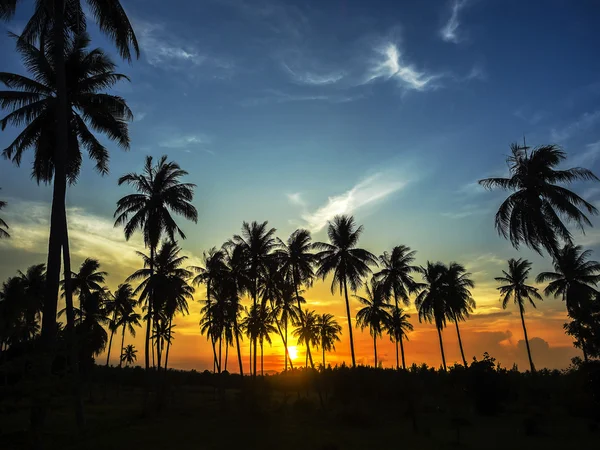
(314, 79)
(275, 96)
(583, 123)
(389, 65)
(587, 157)
(185, 141)
(296, 199)
(372, 189)
(470, 209)
(472, 188)
(449, 31)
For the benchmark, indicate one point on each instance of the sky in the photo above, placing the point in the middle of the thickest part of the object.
(293, 112)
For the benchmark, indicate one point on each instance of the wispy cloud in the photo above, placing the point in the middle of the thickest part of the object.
(275, 96)
(388, 65)
(187, 142)
(296, 199)
(449, 31)
(313, 79)
(583, 123)
(471, 189)
(372, 189)
(468, 210)
(587, 157)
(532, 117)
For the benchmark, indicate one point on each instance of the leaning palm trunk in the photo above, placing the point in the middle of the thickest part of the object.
(149, 317)
(112, 332)
(285, 343)
(349, 323)
(439, 330)
(239, 350)
(168, 345)
(462, 353)
(122, 344)
(397, 360)
(527, 341)
(262, 361)
(226, 355)
(375, 349)
(402, 352)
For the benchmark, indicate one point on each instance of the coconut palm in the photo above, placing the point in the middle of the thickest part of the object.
(348, 264)
(116, 304)
(258, 325)
(257, 242)
(160, 193)
(514, 285)
(126, 318)
(398, 328)
(431, 301)
(533, 214)
(574, 279)
(458, 298)
(3, 226)
(328, 333)
(395, 275)
(129, 354)
(375, 312)
(88, 280)
(307, 333)
(286, 312)
(212, 319)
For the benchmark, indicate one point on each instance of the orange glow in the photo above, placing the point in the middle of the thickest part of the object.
(293, 351)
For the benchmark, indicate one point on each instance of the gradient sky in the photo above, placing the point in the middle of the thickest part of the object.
(293, 112)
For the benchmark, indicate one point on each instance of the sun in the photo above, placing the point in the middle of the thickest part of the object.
(293, 351)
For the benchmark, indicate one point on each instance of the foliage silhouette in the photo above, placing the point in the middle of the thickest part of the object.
(3, 225)
(375, 312)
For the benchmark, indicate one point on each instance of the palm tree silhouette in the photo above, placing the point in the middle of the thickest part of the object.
(84, 283)
(459, 301)
(126, 318)
(257, 243)
(431, 301)
(118, 304)
(397, 281)
(348, 264)
(533, 213)
(258, 325)
(160, 192)
(307, 333)
(514, 286)
(286, 311)
(328, 333)
(398, 327)
(574, 279)
(129, 355)
(374, 314)
(3, 226)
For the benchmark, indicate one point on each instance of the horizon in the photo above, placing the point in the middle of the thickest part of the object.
(283, 113)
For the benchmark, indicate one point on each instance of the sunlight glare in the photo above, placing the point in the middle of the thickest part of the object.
(293, 351)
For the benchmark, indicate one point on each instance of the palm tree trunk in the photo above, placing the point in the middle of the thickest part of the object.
(149, 318)
(168, 344)
(112, 332)
(79, 411)
(439, 330)
(216, 367)
(527, 341)
(402, 352)
(122, 344)
(375, 349)
(323, 349)
(397, 361)
(349, 323)
(220, 354)
(286, 356)
(239, 349)
(226, 353)
(462, 353)
(262, 361)
(250, 357)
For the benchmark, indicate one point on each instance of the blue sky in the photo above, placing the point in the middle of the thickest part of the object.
(294, 111)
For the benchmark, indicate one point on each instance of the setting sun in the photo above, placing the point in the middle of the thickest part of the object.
(293, 351)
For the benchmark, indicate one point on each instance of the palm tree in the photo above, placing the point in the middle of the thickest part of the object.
(374, 313)
(459, 300)
(159, 193)
(126, 318)
(398, 327)
(118, 304)
(258, 325)
(514, 286)
(533, 214)
(286, 311)
(257, 242)
(348, 264)
(307, 333)
(328, 333)
(129, 355)
(574, 279)
(89, 279)
(395, 276)
(3, 225)
(431, 301)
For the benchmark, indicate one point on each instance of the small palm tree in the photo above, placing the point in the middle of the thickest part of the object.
(348, 263)
(258, 325)
(119, 303)
(127, 318)
(459, 300)
(431, 301)
(286, 311)
(533, 213)
(129, 355)
(374, 313)
(88, 280)
(160, 193)
(307, 333)
(3, 226)
(328, 333)
(514, 285)
(574, 279)
(398, 328)
(396, 274)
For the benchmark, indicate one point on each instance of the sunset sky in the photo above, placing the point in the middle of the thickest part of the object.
(293, 112)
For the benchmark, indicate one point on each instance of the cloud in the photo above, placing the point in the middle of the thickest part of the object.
(389, 66)
(471, 189)
(583, 123)
(532, 117)
(587, 157)
(275, 96)
(185, 142)
(314, 79)
(296, 199)
(492, 316)
(449, 31)
(470, 209)
(375, 188)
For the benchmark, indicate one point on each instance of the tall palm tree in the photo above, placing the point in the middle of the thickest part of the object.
(160, 192)
(328, 333)
(129, 355)
(395, 275)
(514, 285)
(348, 264)
(459, 300)
(286, 311)
(398, 327)
(307, 333)
(3, 226)
(533, 214)
(432, 300)
(575, 277)
(258, 325)
(127, 318)
(374, 313)
(117, 304)
(257, 242)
